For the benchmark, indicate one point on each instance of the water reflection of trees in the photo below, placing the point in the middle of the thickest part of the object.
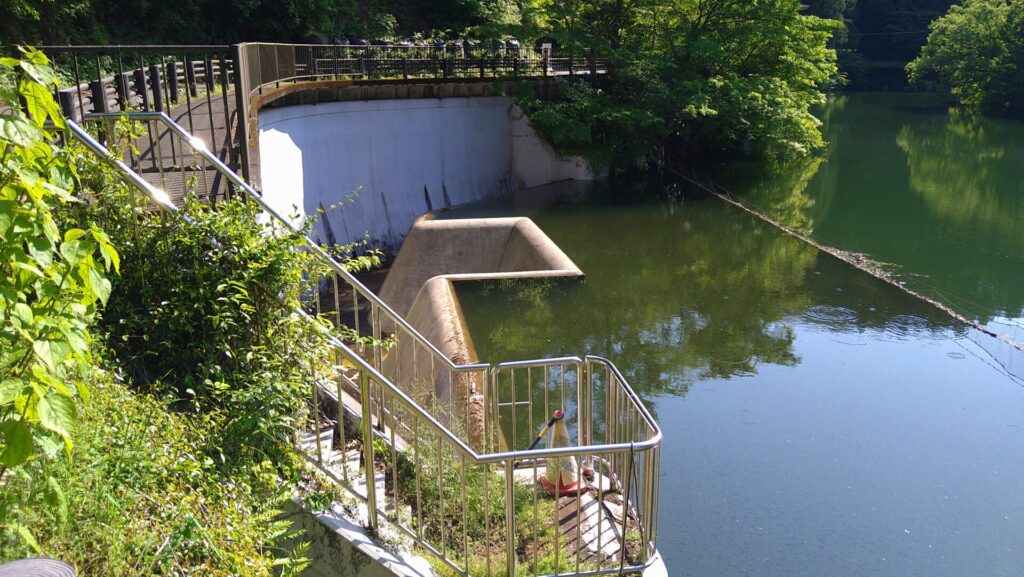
(672, 295)
(967, 169)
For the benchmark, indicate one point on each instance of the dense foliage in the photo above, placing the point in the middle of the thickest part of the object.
(52, 279)
(688, 80)
(229, 21)
(203, 313)
(976, 51)
(181, 456)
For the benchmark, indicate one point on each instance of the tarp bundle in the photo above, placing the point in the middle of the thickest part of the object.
(562, 475)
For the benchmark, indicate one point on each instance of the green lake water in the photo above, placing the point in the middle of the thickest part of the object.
(939, 197)
(817, 420)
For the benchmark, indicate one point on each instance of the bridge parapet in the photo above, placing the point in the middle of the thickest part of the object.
(216, 90)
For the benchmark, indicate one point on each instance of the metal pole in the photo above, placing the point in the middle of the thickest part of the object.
(510, 520)
(242, 105)
(368, 468)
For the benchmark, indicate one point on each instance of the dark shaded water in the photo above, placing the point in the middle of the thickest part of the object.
(817, 421)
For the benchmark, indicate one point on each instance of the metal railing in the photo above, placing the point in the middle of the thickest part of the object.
(477, 509)
(192, 83)
(269, 65)
(208, 88)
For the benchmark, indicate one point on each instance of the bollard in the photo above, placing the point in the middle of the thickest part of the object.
(141, 88)
(157, 84)
(66, 98)
(172, 80)
(190, 78)
(99, 96)
(122, 83)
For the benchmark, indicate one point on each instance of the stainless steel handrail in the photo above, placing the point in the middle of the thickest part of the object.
(251, 193)
(621, 456)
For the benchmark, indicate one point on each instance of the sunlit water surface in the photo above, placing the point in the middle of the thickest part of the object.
(817, 421)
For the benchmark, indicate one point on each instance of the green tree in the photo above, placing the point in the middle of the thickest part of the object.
(976, 52)
(688, 80)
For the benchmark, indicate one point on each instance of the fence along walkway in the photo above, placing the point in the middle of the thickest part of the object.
(194, 85)
(208, 88)
(429, 472)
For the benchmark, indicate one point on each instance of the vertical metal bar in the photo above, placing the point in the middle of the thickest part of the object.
(529, 395)
(465, 515)
(375, 321)
(316, 413)
(231, 156)
(394, 462)
(368, 468)
(440, 492)
(167, 85)
(78, 86)
(625, 508)
(208, 80)
(419, 491)
(355, 310)
(536, 519)
(487, 517)
(341, 416)
(190, 82)
(240, 56)
(157, 152)
(510, 520)
(334, 54)
(514, 440)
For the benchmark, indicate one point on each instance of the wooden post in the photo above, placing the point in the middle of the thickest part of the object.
(172, 80)
(99, 96)
(157, 83)
(141, 88)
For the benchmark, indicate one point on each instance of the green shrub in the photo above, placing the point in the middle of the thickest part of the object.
(52, 280)
(203, 314)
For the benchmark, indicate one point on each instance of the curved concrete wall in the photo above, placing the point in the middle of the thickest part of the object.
(373, 166)
(472, 249)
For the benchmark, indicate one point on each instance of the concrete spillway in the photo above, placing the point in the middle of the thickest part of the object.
(369, 168)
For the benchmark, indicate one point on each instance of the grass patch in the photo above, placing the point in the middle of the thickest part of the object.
(146, 494)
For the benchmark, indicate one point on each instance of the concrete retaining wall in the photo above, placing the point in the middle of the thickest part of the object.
(373, 166)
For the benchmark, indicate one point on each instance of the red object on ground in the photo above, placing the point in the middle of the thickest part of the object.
(571, 489)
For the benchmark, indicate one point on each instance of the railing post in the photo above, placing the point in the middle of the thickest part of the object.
(378, 360)
(368, 468)
(240, 57)
(190, 78)
(510, 519)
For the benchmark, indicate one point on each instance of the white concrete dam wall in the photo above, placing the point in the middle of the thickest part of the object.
(374, 166)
